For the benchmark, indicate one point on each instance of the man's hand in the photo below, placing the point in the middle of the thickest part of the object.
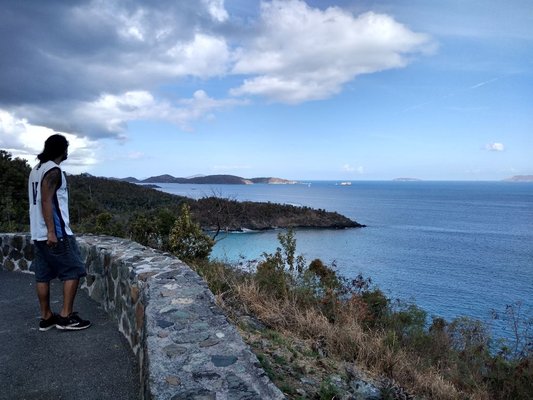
(52, 240)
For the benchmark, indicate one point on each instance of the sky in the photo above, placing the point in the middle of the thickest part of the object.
(304, 90)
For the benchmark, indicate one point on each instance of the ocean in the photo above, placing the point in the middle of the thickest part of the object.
(453, 248)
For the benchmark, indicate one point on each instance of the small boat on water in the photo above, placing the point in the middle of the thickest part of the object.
(345, 183)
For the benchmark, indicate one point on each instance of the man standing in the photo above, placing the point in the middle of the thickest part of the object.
(56, 251)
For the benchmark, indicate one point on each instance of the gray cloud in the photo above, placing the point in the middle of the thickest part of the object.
(58, 51)
(58, 56)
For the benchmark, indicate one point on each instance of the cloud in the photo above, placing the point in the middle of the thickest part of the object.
(88, 67)
(495, 146)
(135, 155)
(216, 9)
(201, 105)
(24, 140)
(350, 168)
(79, 49)
(72, 54)
(304, 53)
(480, 84)
(108, 115)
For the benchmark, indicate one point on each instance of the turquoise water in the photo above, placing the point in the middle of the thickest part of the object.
(454, 248)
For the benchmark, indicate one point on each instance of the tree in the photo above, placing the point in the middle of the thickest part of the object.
(13, 193)
(276, 273)
(165, 220)
(186, 238)
(103, 222)
(143, 230)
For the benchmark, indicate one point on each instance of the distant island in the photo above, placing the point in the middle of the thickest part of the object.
(407, 180)
(211, 180)
(519, 178)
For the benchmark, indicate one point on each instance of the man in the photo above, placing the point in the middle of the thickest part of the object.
(56, 251)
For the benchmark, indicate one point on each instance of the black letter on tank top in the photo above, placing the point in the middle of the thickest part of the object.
(34, 188)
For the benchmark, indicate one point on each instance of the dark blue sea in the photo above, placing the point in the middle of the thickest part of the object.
(453, 248)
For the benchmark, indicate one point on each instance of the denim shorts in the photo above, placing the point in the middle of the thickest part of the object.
(62, 261)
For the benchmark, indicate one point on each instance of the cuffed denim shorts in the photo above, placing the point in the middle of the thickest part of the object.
(62, 261)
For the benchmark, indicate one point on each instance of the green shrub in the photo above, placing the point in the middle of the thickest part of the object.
(142, 229)
(272, 278)
(328, 391)
(220, 277)
(378, 306)
(187, 240)
(511, 379)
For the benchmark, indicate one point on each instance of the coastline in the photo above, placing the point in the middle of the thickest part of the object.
(437, 243)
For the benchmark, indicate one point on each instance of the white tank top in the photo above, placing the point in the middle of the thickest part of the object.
(60, 203)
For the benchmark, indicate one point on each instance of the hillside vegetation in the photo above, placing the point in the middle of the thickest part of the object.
(319, 335)
(93, 196)
(13, 193)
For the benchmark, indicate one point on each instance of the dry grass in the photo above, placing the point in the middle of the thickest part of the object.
(346, 338)
(349, 323)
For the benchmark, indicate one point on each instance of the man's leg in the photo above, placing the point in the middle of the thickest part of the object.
(43, 293)
(71, 268)
(70, 287)
(67, 320)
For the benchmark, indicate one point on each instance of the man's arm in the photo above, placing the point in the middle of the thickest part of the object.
(49, 186)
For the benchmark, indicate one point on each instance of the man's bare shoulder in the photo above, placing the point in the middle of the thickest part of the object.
(52, 178)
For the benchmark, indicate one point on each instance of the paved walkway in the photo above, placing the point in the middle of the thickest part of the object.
(95, 363)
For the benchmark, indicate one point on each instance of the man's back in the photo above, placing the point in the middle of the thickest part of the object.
(61, 215)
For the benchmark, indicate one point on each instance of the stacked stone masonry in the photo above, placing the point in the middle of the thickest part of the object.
(185, 346)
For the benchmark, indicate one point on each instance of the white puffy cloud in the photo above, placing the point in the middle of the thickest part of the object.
(24, 140)
(496, 146)
(201, 105)
(304, 53)
(216, 9)
(204, 56)
(113, 112)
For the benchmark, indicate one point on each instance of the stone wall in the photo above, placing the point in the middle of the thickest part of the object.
(185, 346)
